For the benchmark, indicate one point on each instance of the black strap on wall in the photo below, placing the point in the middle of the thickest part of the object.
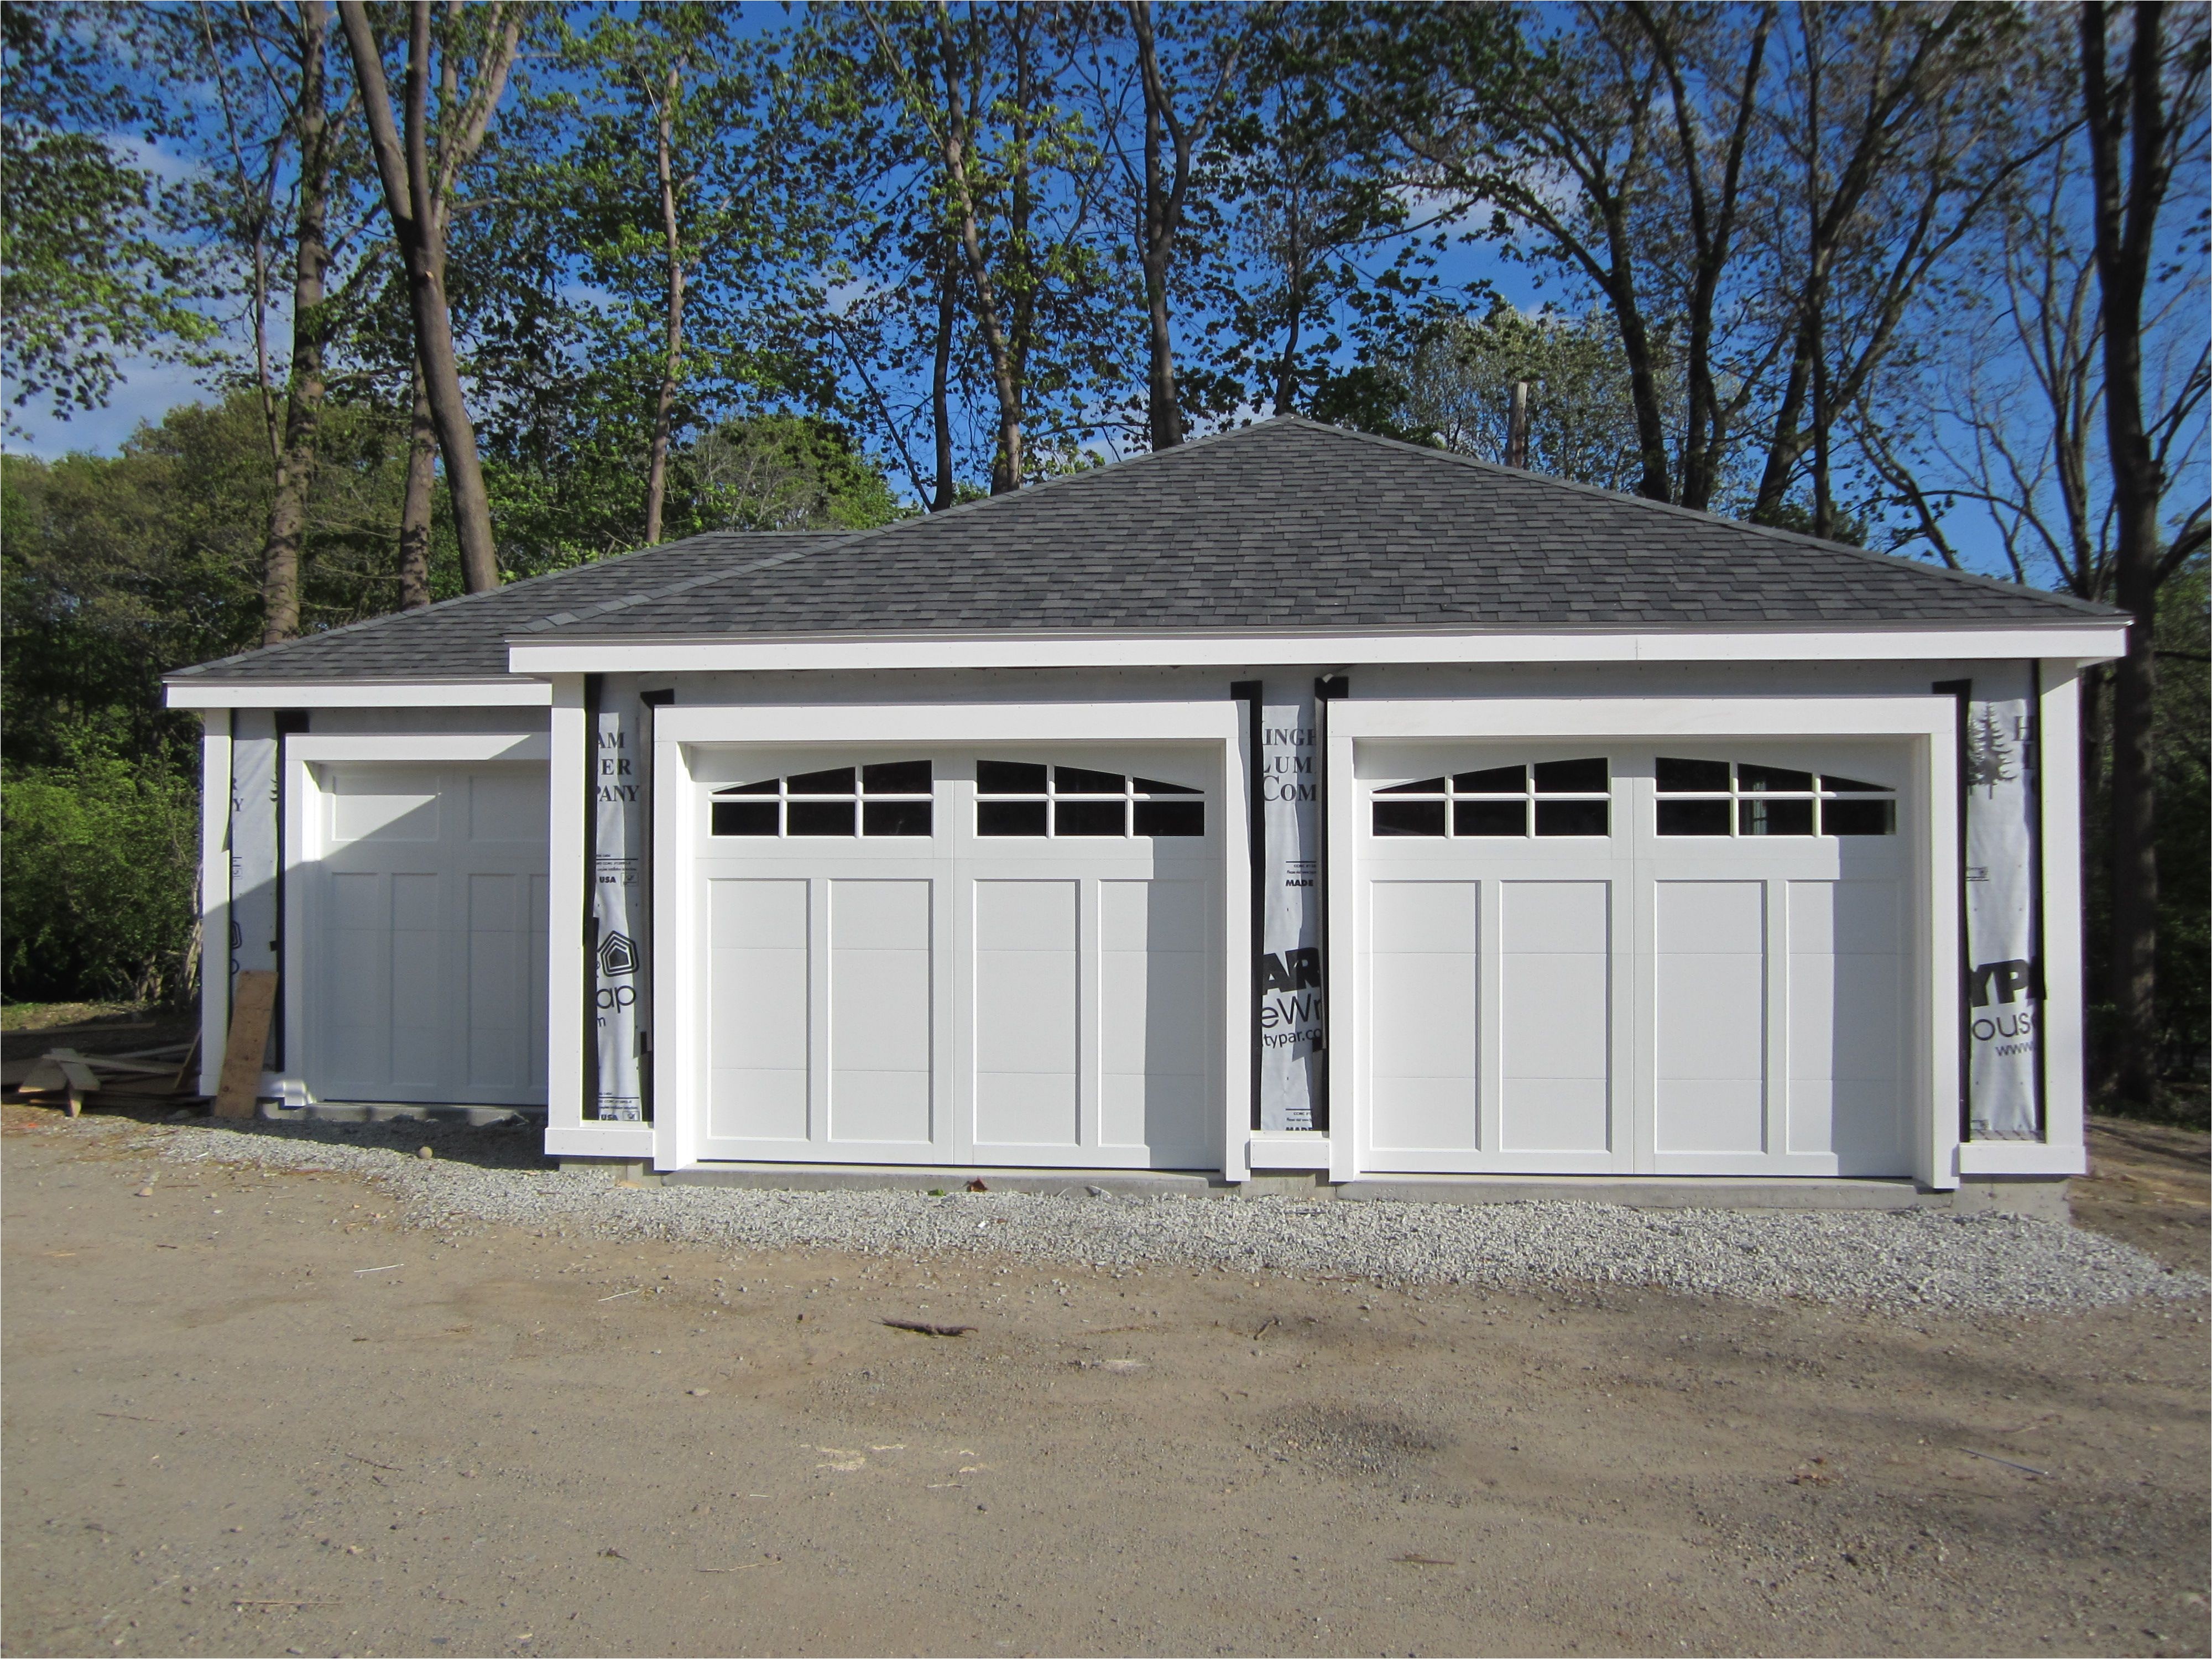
(1249, 692)
(1327, 688)
(1963, 691)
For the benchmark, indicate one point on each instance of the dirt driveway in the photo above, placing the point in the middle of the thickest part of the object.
(252, 1413)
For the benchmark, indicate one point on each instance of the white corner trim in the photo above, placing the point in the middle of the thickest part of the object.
(2088, 642)
(2020, 1157)
(1300, 1149)
(448, 747)
(508, 693)
(215, 897)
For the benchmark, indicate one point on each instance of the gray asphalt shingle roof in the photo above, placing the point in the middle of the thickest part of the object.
(467, 638)
(1281, 526)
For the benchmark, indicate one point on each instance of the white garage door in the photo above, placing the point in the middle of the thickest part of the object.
(1688, 960)
(986, 958)
(426, 935)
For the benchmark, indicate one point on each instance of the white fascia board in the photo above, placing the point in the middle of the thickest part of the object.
(1755, 716)
(1132, 721)
(672, 653)
(450, 748)
(508, 693)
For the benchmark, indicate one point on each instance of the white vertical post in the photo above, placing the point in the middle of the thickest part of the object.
(214, 895)
(1936, 1146)
(567, 892)
(2063, 1003)
(1235, 1030)
(1347, 1011)
(678, 1115)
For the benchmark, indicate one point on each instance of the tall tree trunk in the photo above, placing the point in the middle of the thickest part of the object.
(295, 461)
(940, 377)
(414, 506)
(417, 213)
(1165, 191)
(656, 482)
(2127, 203)
(954, 139)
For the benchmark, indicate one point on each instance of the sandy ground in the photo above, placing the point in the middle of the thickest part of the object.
(223, 1434)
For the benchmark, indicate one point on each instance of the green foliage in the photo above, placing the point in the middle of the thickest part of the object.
(784, 472)
(88, 276)
(98, 892)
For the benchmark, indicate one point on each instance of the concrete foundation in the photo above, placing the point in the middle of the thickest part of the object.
(355, 1111)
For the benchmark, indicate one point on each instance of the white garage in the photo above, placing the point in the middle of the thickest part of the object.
(1292, 803)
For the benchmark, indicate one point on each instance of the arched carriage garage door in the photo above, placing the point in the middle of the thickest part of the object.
(1005, 958)
(1687, 959)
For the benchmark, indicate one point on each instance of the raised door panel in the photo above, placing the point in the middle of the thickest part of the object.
(880, 1050)
(1155, 1008)
(1848, 980)
(1709, 965)
(1424, 967)
(757, 1021)
(501, 956)
(1555, 1025)
(1027, 1017)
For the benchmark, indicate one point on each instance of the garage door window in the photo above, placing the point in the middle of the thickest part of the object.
(1033, 799)
(1735, 799)
(889, 799)
(1549, 797)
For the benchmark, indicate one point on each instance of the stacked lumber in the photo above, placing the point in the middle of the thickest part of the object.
(145, 1075)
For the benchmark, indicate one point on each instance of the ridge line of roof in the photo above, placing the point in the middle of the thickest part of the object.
(1773, 532)
(387, 617)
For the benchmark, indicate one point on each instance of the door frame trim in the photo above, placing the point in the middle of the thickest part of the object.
(677, 1125)
(1930, 721)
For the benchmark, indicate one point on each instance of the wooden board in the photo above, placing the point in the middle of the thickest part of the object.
(252, 1002)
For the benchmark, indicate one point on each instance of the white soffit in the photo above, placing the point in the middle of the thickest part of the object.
(197, 693)
(2085, 643)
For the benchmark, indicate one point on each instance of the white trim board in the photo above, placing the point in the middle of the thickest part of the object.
(676, 654)
(506, 693)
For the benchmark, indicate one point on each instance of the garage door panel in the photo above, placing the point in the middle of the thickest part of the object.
(1557, 917)
(500, 954)
(1556, 1114)
(1424, 1021)
(1152, 1012)
(760, 1037)
(419, 1010)
(1850, 918)
(879, 1106)
(357, 992)
(1424, 1114)
(385, 802)
(1159, 914)
(1423, 915)
(508, 804)
(756, 1103)
(1861, 1124)
(1712, 1115)
(1027, 1108)
(1163, 1114)
(1554, 1021)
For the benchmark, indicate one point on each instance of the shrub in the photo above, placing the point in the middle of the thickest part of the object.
(99, 878)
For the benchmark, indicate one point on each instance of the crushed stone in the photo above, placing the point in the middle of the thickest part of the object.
(1906, 1259)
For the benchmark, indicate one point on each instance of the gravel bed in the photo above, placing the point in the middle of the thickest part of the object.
(1908, 1260)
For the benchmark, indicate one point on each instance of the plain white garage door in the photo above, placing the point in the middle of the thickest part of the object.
(961, 957)
(1685, 960)
(426, 934)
